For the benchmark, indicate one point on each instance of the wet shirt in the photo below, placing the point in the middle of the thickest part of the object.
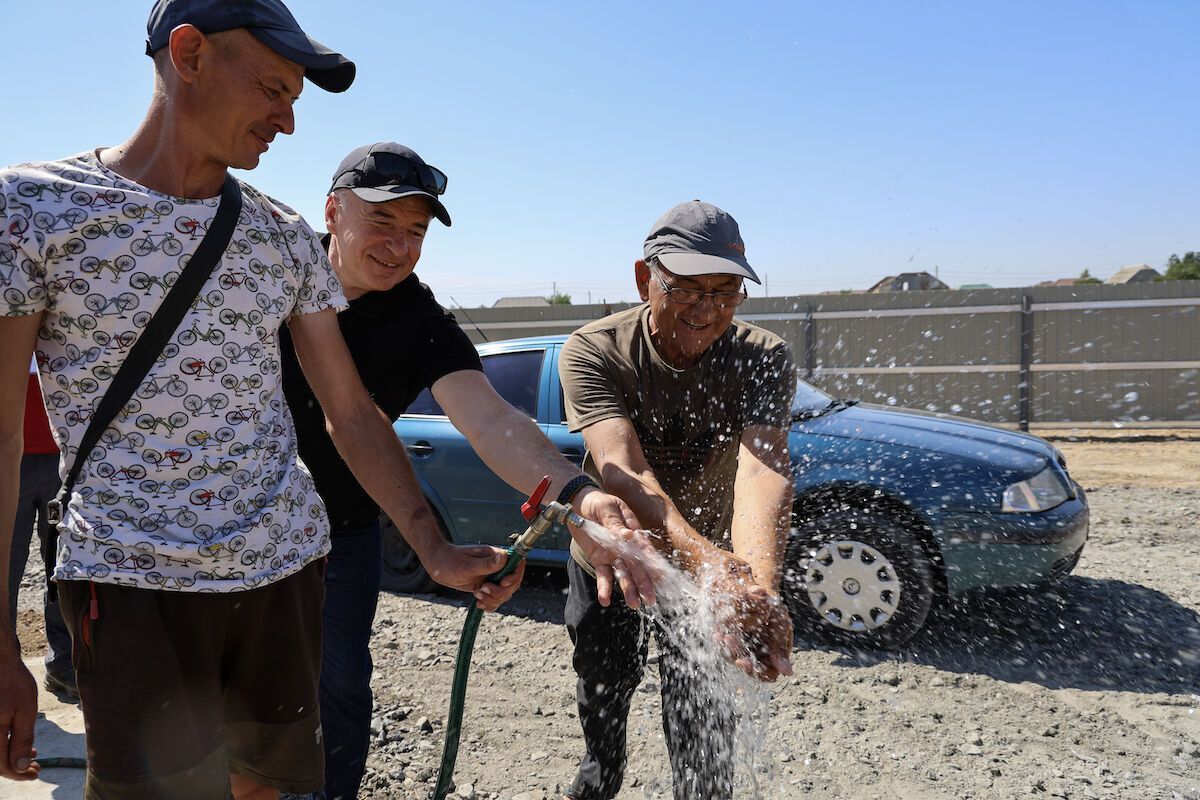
(195, 486)
(689, 422)
(402, 341)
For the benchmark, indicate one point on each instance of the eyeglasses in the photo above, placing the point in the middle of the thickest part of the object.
(383, 169)
(691, 297)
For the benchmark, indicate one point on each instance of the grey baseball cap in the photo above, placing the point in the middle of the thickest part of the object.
(269, 21)
(697, 238)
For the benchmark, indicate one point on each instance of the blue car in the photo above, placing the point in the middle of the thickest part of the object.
(895, 509)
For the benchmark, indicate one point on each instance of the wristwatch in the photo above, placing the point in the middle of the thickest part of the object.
(573, 486)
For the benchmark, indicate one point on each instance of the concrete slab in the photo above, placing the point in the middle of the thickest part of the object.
(59, 732)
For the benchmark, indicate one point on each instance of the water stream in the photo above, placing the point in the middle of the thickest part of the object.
(687, 613)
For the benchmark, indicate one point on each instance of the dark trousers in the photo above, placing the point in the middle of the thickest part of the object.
(610, 657)
(351, 593)
(179, 689)
(39, 485)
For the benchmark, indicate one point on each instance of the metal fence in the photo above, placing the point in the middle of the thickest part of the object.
(1056, 354)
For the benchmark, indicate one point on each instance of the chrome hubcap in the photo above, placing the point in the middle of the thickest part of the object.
(852, 585)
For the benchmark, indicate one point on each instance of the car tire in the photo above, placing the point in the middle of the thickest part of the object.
(402, 570)
(858, 577)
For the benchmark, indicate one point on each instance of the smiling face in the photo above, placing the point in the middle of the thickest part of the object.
(374, 246)
(682, 333)
(246, 99)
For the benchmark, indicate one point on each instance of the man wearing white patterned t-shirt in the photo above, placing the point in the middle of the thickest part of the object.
(207, 682)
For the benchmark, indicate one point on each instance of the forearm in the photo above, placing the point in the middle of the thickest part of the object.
(18, 335)
(10, 489)
(761, 523)
(672, 535)
(380, 464)
(515, 448)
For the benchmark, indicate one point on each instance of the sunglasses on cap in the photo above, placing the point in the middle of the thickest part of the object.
(388, 169)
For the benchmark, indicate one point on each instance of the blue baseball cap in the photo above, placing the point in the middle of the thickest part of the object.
(269, 21)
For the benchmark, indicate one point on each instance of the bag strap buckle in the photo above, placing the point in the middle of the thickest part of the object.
(54, 512)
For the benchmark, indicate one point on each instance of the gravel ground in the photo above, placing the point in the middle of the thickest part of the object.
(1088, 689)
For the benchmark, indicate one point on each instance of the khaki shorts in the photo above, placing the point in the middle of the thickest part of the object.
(180, 689)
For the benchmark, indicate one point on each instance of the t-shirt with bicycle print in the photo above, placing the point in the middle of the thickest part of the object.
(196, 485)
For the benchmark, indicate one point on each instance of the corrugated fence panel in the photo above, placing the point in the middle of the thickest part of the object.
(919, 340)
(1149, 395)
(1117, 334)
(986, 396)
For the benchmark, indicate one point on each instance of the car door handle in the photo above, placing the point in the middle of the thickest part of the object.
(419, 449)
(573, 454)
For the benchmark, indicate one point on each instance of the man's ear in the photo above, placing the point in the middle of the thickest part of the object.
(332, 210)
(186, 45)
(641, 272)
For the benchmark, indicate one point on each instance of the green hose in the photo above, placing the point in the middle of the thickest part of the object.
(458, 693)
(57, 762)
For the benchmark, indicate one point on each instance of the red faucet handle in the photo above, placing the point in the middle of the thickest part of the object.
(531, 507)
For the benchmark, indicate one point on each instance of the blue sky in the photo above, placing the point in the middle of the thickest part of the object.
(996, 142)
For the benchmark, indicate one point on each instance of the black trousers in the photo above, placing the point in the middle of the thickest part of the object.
(609, 658)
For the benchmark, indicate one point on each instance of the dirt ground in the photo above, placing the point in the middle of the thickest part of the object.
(1136, 457)
(1088, 689)
(1169, 464)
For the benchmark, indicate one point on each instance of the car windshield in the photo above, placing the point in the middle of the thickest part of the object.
(809, 399)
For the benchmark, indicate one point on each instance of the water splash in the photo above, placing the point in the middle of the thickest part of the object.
(687, 614)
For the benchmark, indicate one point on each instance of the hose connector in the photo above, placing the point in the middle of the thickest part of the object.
(546, 516)
(541, 517)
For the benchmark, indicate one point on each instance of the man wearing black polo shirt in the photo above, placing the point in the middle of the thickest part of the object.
(383, 198)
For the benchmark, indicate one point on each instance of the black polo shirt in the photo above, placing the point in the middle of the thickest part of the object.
(402, 342)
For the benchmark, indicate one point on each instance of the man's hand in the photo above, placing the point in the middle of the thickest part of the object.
(767, 646)
(756, 629)
(626, 554)
(467, 569)
(18, 709)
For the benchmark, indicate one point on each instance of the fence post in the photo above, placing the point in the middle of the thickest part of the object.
(810, 343)
(1025, 379)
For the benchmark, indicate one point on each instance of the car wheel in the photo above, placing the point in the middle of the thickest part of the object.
(402, 570)
(858, 577)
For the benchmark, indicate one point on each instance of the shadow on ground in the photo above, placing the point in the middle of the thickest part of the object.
(1082, 633)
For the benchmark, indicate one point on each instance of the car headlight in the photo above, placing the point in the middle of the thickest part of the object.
(1042, 492)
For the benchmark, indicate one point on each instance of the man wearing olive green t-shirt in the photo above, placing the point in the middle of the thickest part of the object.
(685, 412)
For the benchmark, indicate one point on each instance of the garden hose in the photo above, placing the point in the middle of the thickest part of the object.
(540, 519)
(56, 762)
(458, 692)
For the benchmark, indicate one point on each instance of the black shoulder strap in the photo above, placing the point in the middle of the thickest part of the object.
(158, 331)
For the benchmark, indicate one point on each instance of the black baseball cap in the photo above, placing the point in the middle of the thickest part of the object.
(386, 171)
(697, 238)
(269, 21)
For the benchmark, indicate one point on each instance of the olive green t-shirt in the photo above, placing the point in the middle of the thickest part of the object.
(689, 422)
